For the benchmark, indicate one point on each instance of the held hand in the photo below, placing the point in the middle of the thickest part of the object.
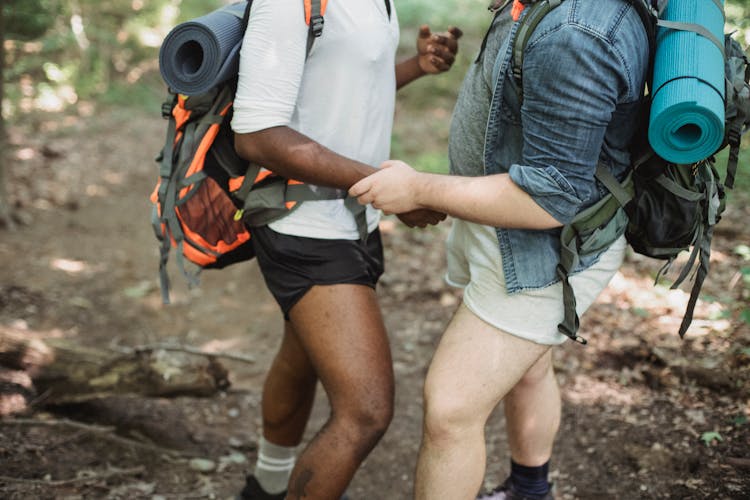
(421, 218)
(437, 52)
(391, 189)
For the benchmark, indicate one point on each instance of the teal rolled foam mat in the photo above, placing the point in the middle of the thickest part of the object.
(199, 54)
(687, 111)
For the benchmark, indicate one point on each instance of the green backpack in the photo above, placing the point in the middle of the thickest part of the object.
(662, 208)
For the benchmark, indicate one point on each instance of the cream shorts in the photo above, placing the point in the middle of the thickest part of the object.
(475, 264)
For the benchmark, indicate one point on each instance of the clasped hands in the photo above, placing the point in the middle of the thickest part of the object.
(395, 189)
(388, 189)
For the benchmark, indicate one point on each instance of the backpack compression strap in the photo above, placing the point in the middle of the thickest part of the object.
(608, 219)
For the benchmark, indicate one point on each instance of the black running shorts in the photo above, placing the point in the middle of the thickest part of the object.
(291, 265)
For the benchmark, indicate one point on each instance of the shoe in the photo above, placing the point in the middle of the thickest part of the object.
(253, 491)
(506, 491)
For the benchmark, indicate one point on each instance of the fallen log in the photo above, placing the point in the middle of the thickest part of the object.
(64, 371)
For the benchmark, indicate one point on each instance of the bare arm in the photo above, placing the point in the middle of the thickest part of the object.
(494, 200)
(295, 156)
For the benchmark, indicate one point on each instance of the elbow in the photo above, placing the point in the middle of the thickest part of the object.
(245, 146)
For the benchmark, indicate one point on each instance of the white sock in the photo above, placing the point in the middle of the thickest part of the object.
(274, 466)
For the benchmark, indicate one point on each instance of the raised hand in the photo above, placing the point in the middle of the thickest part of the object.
(437, 51)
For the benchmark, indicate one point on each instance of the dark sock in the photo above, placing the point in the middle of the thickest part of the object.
(530, 481)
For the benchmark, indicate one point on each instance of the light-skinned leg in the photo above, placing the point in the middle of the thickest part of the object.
(474, 367)
(532, 414)
(341, 330)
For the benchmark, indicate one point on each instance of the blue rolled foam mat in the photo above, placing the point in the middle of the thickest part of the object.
(201, 53)
(687, 112)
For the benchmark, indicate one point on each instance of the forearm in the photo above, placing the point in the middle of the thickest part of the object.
(407, 71)
(494, 200)
(290, 154)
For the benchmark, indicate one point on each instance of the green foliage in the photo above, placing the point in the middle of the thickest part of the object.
(190, 9)
(106, 50)
(466, 14)
(29, 19)
(710, 438)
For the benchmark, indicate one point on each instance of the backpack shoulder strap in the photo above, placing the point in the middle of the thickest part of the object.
(314, 11)
(246, 17)
(527, 25)
(536, 12)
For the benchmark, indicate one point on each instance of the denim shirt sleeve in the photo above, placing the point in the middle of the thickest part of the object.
(573, 80)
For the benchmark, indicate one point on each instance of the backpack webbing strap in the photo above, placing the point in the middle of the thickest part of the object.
(537, 11)
(161, 229)
(166, 224)
(594, 217)
(695, 28)
(740, 91)
(246, 16)
(702, 244)
(360, 216)
(569, 261)
(314, 11)
(530, 20)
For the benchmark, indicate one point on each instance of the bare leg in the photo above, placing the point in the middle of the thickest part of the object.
(532, 413)
(342, 332)
(474, 367)
(288, 392)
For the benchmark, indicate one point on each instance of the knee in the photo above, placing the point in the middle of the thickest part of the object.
(448, 419)
(366, 419)
(539, 373)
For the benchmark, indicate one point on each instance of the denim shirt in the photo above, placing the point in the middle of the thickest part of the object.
(583, 76)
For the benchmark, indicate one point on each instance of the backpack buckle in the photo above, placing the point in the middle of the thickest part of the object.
(316, 25)
(166, 109)
(733, 136)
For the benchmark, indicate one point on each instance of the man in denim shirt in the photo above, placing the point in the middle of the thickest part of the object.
(520, 170)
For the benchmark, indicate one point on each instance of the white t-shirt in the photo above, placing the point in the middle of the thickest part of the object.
(343, 97)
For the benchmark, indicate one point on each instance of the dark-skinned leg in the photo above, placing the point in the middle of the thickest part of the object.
(288, 392)
(342, 331)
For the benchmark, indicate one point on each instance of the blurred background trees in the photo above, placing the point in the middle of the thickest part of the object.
(75, 56)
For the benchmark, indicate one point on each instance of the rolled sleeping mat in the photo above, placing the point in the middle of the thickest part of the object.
(199, 54)
(687, 112)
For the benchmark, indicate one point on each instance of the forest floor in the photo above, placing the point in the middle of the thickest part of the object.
(646, 414)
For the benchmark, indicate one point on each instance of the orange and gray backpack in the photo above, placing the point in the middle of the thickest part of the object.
(207, 198)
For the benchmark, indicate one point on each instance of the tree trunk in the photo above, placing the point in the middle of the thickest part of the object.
(6, 219)
(65, 372)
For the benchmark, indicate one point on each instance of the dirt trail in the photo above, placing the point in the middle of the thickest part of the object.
(637, 399)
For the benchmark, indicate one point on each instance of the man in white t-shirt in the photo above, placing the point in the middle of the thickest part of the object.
(326, 121)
